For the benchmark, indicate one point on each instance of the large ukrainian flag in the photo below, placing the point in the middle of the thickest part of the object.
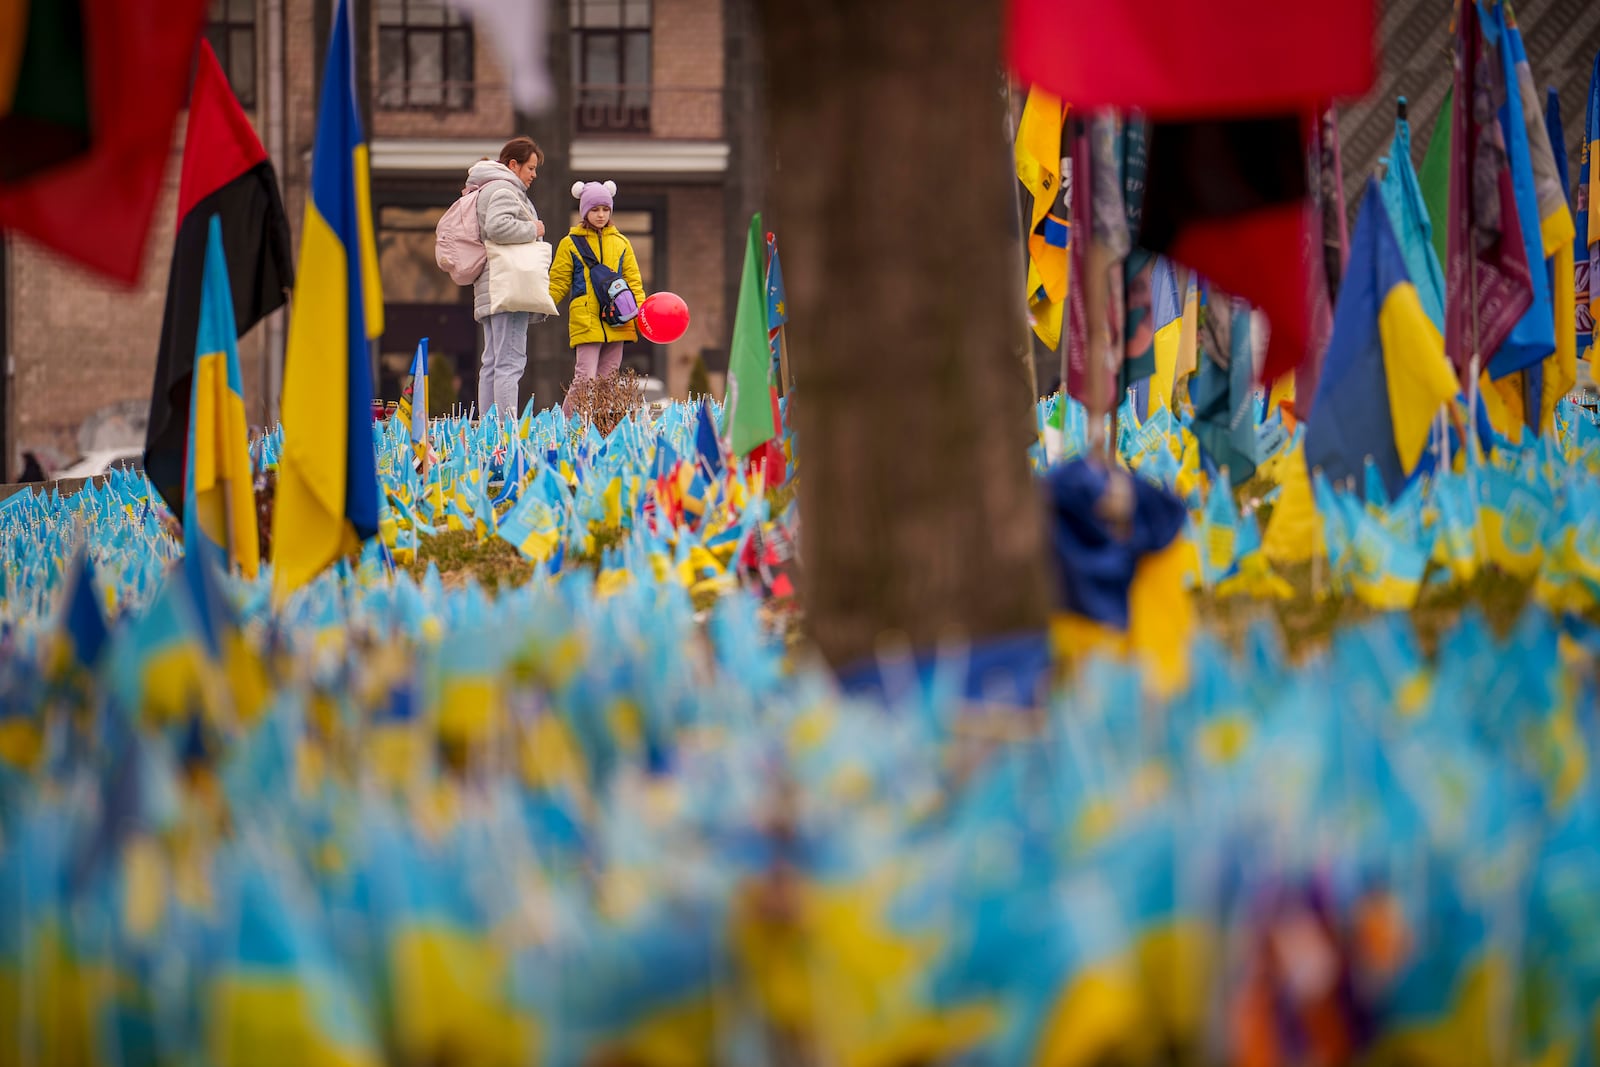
(1384, 348)
(327, 496)
(219, 500)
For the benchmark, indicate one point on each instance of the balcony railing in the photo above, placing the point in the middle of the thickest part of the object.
(648, 110)
(659, 111)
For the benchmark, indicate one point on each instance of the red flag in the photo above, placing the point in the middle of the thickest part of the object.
(96, 206)
(1179, 58)
(1483, 222)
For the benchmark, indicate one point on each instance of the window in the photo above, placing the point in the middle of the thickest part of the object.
(425, 57)
(231, 29)
(611, 65)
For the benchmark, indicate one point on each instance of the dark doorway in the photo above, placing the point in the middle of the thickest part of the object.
(420, 300)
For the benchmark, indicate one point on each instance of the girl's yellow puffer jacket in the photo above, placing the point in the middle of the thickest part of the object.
(568, 275)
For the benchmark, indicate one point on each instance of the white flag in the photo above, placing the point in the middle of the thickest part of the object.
(518, 30)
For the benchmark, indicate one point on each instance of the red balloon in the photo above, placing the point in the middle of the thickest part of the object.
(663, 318)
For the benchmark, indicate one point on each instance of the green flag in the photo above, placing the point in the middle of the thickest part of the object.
(1434, 178)
(749, 420)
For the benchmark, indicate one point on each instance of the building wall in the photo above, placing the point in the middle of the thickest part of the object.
(1416, 50)
(83, 350)
(695, 270)
(491, 114)
(687, 69)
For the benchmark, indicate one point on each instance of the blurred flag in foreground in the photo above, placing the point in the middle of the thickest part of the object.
(1182, 60)
(1228, 198)
(89, 93)
(327, 501)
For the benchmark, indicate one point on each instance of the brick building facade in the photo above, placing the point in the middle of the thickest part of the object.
(656, 95)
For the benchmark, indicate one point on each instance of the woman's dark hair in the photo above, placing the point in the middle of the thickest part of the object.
(518, 149)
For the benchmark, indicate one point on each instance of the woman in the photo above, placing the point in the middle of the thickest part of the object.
(505, 216)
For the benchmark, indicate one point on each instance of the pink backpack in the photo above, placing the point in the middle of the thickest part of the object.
(457, 242)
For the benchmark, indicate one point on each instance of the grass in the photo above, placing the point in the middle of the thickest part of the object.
(1308, 621)
(459, 555)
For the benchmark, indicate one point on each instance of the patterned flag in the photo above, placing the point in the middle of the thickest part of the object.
(1138, 270)
(1586, 250)
(777, 309)
(1484, 223)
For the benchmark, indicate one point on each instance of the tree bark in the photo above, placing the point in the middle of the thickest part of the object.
(892, 205)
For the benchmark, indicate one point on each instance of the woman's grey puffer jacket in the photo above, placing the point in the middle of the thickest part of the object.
(505, 215)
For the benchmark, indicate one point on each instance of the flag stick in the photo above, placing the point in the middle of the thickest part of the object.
(1477, 356)
(1097, 268)
(785, 383)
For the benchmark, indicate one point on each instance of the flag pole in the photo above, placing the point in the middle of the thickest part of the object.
(1471, 443)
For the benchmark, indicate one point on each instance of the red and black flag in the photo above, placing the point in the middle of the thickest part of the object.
(1228, 198)
(89, 92)
(1228, 86)
(226, 173)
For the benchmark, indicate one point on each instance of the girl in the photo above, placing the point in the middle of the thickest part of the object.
(598, 346)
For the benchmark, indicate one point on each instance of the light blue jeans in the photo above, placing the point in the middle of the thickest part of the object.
(505, 354)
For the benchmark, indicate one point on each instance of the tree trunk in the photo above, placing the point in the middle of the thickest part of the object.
(893, 209)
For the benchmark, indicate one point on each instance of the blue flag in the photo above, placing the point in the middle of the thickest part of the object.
(1533, 337)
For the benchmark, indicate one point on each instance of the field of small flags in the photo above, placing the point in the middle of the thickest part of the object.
(573, 798)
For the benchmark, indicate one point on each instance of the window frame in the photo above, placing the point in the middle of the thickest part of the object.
(452, 25)
(219, 31)
(623, 106)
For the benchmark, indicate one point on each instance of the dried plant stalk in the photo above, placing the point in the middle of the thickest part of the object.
(604, 402)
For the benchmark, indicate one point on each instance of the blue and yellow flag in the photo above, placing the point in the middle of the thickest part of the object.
(1533, 338)
(419, 396)
(1038, 158)
(1413, 227)
(83, 631)
(1383, 345)
(1167, 305)
(327, 496)
(219, 500)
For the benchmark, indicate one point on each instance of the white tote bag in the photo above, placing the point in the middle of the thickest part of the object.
(519, 277)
